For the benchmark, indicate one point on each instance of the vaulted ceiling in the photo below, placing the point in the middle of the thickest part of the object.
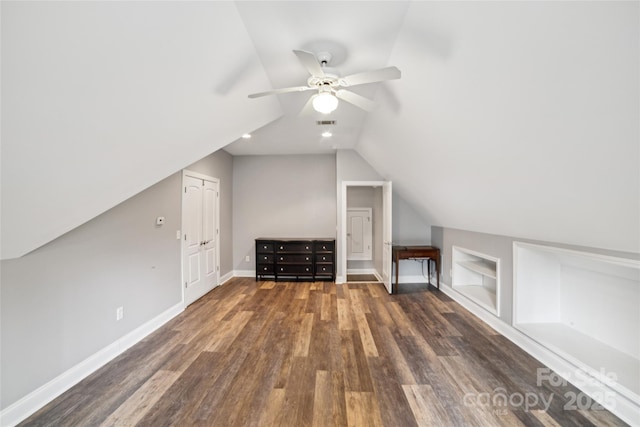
(517, 118)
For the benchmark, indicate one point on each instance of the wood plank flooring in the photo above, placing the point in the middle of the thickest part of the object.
(366, 278)
(318, 354)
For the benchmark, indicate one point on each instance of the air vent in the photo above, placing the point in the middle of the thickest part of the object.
(325, 122)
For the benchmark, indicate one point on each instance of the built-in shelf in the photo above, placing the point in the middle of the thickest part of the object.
(476, 276)
(585, 352)
(583, 307)
(482, 267)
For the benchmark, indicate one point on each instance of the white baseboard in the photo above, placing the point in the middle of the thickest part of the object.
(361, 271)
(621, 406)
(244, 273)
(225, 278)
(38, 398)
(411, 279)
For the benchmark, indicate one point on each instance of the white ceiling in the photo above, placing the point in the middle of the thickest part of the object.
(517, 118)
(359, 35)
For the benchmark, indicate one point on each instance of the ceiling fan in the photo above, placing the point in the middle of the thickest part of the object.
(329, 85)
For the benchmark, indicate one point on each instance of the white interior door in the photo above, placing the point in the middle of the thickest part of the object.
(210, 233)
(386, 235)
(359, 234)
(200, 235)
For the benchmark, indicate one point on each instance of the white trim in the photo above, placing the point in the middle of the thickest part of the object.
(622, 407)
(412, 279)
(29, 404)
(361, 271)
(225, 278)
(244, 273)
(341, 253)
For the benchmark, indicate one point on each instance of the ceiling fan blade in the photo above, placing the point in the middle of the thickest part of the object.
(310, 62)
(283, 90)
(389, 73)
(308, 107)
(357, 100)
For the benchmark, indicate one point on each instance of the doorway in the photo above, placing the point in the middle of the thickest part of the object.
(200, 235)
(358, 196)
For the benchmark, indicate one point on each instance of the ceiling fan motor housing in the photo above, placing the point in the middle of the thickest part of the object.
(324, 58)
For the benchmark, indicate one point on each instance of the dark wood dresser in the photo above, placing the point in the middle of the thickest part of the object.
(295, 259)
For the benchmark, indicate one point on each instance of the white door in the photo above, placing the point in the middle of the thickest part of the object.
(210, 233)
(386, 235)
(200, 224)
(359, 234)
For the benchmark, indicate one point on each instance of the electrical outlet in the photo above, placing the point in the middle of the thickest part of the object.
(247, 258)
(119, 313)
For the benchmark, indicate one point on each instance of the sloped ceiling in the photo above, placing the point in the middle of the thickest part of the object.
(103, 99)
(517, 118)
(530, 127)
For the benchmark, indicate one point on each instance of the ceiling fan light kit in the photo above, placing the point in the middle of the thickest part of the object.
(325, 102)
(328, 83)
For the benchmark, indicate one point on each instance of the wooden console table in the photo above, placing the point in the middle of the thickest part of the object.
(416, 252)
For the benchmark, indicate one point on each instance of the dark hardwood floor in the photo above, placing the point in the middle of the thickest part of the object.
(316, 354)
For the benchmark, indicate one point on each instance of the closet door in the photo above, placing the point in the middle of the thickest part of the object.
(210, 233)
(200, 209)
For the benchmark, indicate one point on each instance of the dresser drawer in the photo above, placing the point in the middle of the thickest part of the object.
(296, 269)
(328, 257)
(265, 258)
(264, 247)
(295, 258)
(304, 247)
(324, 269)
(264, 269)
(324, 246)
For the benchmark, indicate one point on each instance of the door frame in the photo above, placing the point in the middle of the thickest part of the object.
(342, 224)
(185, 173)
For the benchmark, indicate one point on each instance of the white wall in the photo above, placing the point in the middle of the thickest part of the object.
(59, 302)
(408, 226)
(281, 196)
(524, 121)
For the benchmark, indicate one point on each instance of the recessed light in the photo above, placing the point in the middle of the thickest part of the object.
(246, 136)
(327, 134)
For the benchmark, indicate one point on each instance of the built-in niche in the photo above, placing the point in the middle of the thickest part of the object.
(584, 307)
(477, 276)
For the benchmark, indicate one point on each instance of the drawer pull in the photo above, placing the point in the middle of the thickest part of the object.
(281, 259)
(307, 258)
(307, 268)
(324, 258)
(281, 269)
(265, 269)
(281, 247)
(306, 247)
